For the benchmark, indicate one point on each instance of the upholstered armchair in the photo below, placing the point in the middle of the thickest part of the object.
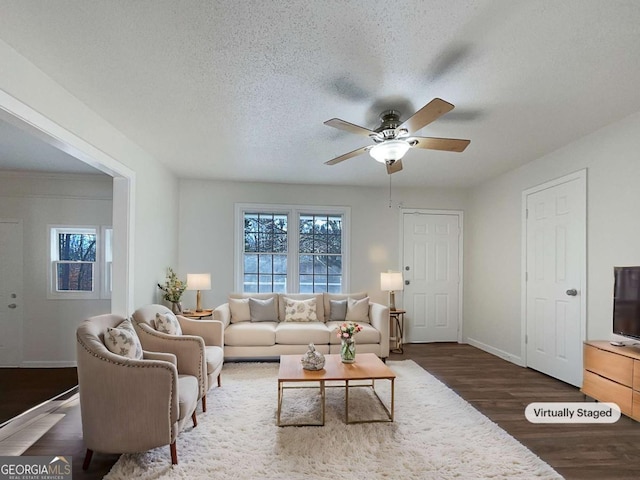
(128, 404)
(211, 331)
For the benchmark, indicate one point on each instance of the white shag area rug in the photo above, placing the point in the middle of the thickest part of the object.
(435, 435)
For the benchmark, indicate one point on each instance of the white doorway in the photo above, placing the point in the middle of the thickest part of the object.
(554, 256)
(432, 270)
(11, 302)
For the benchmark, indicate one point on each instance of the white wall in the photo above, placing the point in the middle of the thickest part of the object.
(493, 233)
(207, 227)
(155, 190)
(40, 200)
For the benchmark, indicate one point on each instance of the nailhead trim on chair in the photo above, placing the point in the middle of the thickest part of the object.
(146, 328)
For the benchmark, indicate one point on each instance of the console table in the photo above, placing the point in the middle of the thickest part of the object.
(612, 374)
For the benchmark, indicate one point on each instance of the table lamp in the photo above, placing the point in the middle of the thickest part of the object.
(198, 281)
(390, 282)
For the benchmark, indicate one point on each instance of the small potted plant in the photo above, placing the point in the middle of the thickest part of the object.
(173, 289)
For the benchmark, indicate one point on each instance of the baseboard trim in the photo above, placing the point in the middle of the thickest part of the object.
(48, 364)
(509, 357)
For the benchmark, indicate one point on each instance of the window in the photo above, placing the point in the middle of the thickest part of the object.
(76, 263)
(291, 248)
(320, 253)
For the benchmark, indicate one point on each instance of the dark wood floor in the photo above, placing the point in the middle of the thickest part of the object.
(497, 388)
(23, 388)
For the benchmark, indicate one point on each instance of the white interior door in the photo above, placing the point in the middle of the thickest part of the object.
(10, 293)
(555, 278)
(431, 269)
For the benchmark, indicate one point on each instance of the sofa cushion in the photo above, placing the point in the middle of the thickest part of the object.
(368, 334)
(301, 296)
(239, 308)
(123, 340)
(297, 333)
(263, 310)
(168, 323)
(327, 297)
(300, 310)
(357, 310)
(337, 310)
(187, 395)
(245, 334)
(215, 357)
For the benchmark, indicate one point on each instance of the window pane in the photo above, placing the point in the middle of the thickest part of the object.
(266, 264)
(250, 283)
(306, 264)
(250, 222)
(280, 243)
(306, 223)
(79, 247)
(334, 244)
(250, 242)
(320, 225)
(266, 283)
(74, 277)
(280, 283)
(334, 226)
(250, 263)
(335, 284)
(320, 264)
(280, 264)
(320, 283)
(335, 264)
(306, 243)
(306, 283)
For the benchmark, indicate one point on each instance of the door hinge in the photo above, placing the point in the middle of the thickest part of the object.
(526, 214)
(526, 276)
(526, 339)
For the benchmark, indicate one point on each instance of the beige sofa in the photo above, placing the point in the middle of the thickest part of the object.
(246, 338)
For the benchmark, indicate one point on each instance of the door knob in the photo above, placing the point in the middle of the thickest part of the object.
(572, 292)
(407, 282)
(12, 305)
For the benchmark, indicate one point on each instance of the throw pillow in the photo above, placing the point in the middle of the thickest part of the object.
(240, 311)
(168, 323)
(263, 310)
(123, 340)
(357, 310)
(338, 310)
(300, 310)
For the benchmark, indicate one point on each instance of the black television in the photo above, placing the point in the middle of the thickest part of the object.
(626, 301)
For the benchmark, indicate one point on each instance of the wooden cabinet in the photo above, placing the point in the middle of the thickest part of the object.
(612, 374)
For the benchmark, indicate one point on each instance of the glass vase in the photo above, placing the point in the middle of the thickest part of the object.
(348, 350)
(176, 307)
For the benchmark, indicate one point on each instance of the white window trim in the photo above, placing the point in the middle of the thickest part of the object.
(294, 212)
(106, 240)
(99, 271)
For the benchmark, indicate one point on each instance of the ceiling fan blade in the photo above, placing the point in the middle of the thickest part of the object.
(446, 144)
(349, 127)
(347, 156)
(394, 167)
(427, 114)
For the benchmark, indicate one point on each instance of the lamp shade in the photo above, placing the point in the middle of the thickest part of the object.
(198, 281)
(389, 150)
(391, 281)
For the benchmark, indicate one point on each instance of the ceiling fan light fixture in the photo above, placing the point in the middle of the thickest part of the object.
(390, 150)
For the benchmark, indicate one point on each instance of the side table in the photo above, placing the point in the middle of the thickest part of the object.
(397, 327)
(207, 312)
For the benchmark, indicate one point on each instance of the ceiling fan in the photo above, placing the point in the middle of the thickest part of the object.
(392, 139)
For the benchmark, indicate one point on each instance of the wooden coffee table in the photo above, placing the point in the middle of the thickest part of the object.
(366, 367)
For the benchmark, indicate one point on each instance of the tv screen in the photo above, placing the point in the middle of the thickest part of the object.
(626, 301)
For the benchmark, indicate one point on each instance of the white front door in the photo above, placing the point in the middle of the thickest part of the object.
(555, 277)
(11, 302)
(432, 277)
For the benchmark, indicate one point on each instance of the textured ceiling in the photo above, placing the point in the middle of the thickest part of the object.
(240, 89)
